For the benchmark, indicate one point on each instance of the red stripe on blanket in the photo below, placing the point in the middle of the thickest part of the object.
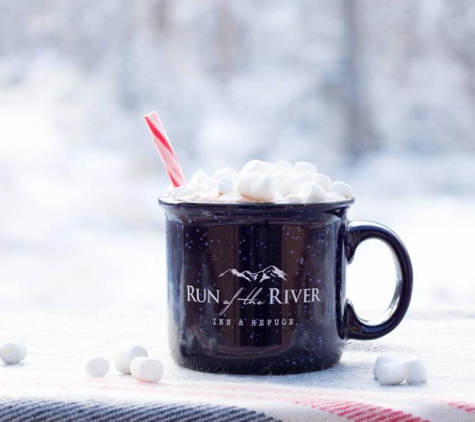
(467, 407)
(359, 411)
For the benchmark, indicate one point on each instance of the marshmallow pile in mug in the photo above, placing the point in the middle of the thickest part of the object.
(260, 181)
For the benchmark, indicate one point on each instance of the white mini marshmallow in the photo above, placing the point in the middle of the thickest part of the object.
(342, 188)
(281, 182)
(292, 199)
(323, 180)
(283, 167)
(211, 194)
(186, 194)
(311, 192)
(124, 357)
(297, 180)
(97, 367)
(226, 171)
(304, 167)
(381, 360)
(203, 188)
(231, 198)
(391, 373)
(146, 369)
(169, 191)
(199, 178)
(256, 166)
(334, 197)
(13, 352)
(263, 188)
(416, 372)
(244, 183)
(174, 192)
(226, 185)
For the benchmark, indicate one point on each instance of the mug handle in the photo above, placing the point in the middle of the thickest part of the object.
(358, 328)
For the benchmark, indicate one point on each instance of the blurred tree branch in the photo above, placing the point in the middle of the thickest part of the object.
(359, 136)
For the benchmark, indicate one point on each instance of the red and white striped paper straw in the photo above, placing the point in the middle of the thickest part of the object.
(161, 141)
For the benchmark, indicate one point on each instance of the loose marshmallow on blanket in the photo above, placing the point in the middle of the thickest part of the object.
(416, 372)
(391, 373)
(146, 369)
(13, 352)
(124, 357)
(97, 367)
(380, 360)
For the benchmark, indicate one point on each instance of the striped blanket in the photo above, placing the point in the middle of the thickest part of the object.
(51, 384)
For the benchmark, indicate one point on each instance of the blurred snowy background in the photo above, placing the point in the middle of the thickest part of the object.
(379, 94)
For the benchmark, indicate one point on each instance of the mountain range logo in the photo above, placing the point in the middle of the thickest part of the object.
(270, 272)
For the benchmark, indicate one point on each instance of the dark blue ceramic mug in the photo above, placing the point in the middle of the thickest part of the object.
(260, 288)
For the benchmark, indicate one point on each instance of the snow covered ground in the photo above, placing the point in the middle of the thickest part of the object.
(99, 243)
(80, 227)
(438, 235)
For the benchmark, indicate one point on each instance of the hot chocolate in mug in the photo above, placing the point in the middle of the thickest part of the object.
(261, 288)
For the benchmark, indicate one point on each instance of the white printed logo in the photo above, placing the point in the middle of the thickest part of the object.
(254, 295)
(270, 272)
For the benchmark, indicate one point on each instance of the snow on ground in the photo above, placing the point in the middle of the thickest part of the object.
(438, 235)
(103, 247)
(80, 227)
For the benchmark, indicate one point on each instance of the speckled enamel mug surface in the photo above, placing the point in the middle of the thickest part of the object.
(260, 288)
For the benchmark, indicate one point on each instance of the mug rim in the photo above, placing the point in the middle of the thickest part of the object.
(256, 205)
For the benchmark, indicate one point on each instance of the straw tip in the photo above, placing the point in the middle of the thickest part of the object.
(151, 114)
